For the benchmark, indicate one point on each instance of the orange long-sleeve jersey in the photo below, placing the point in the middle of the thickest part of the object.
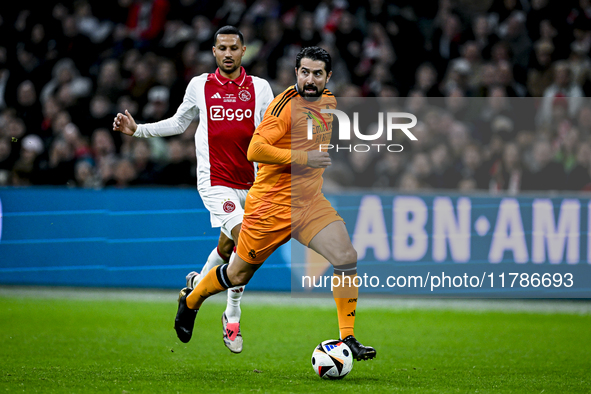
(280, 145)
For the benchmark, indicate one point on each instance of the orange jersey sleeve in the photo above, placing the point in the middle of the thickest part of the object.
(261, 150)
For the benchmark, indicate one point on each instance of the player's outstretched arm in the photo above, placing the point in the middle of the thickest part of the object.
(125, 123)
(177, 124)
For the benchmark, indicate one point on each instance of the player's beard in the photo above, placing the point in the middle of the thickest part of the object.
(316, 94)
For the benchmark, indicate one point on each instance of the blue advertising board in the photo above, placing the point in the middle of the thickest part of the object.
(116, 238)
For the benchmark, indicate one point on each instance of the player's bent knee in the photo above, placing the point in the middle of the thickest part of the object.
(346, 256)
(241, 278)
(240, 272)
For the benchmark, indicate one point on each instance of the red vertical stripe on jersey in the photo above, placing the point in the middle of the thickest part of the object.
(230, 122)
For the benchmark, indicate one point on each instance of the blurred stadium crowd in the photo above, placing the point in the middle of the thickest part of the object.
(463, 67)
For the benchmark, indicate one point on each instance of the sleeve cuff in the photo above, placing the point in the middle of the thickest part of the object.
(299, 157)
(138, 132)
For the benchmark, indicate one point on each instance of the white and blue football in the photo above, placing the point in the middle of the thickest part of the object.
(332, 359)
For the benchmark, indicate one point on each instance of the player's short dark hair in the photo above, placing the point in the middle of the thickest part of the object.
(314, 53)
(228, 30)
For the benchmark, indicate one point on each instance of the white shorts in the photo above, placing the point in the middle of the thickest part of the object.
(225, 206)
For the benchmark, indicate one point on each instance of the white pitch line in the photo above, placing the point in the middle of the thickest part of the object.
(548, 306)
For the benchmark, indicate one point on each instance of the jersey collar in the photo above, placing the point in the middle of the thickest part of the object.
(223, 80)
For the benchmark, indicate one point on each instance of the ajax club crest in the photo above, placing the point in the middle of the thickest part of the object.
(229, 206)
(244, 95)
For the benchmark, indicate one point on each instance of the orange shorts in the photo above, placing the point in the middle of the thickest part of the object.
(266, 226)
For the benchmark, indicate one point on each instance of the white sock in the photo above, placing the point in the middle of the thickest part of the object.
(233, 303)
(213, 260)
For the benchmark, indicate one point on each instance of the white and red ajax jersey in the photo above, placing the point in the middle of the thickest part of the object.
(229, 112)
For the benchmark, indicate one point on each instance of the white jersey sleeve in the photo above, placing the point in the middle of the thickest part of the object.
(264, 96)
(178, 123)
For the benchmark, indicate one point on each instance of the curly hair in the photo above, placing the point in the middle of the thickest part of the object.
(315, 53)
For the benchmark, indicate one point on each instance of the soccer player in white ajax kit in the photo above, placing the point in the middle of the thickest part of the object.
(230, 105)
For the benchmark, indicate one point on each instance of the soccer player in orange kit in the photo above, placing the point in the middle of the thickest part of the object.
(286, 200)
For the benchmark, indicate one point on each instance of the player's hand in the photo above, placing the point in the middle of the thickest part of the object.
(317, 159)
(124, 123)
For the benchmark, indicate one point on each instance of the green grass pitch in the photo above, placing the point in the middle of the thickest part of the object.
(124, 346)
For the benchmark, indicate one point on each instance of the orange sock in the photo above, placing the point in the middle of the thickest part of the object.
(345, 297)
(208, 286)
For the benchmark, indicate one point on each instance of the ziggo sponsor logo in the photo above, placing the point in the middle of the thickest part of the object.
(218, 112)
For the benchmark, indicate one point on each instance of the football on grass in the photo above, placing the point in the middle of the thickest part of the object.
(332, 359)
